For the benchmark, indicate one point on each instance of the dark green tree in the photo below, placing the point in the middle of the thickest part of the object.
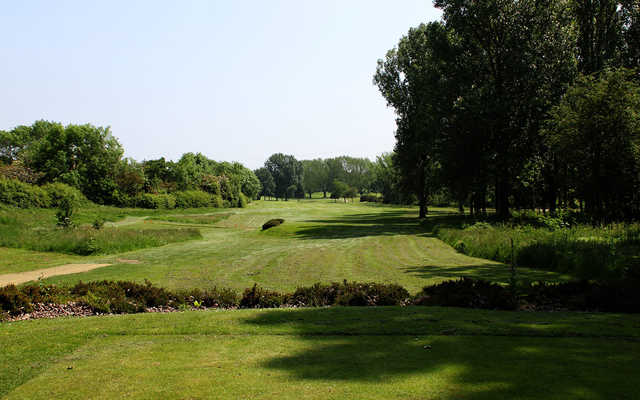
(286, 171)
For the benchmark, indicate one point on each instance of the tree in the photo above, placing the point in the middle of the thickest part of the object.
(519, 57)
(595, 132)
(286, 171)
(267, 182)
(315, 176)
(339, 189)
(83, 156)
(414, 80)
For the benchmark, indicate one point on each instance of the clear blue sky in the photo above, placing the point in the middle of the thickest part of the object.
(236, 80)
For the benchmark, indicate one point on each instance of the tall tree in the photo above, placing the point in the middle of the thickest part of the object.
(266, 181)
(519, 53)
(414, 80)
(286, 171)
(595, 132)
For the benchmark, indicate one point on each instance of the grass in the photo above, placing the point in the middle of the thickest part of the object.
(372, 353)
(25, 229)
(326, 353)
(213, 218)
(320, 241)
(582, 251)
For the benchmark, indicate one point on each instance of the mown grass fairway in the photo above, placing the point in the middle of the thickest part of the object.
(320, 241)
(336, 353)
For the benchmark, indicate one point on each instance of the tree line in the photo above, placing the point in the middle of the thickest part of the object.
(520, 103)
(285, 177)
(91, 159)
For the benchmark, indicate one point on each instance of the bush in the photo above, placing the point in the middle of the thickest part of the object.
(350, 294)
(121, 297)
(257, 297)
(23, 195)
(65, 212)
(468, 293)
(59, 192)
(156, 201)
(215, 297)
(14, 301)
(192, 199)
(271, 223)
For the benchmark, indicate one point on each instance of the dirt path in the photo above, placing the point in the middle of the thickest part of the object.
(27, 276)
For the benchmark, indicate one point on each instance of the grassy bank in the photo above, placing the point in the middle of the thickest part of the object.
(583, 251)
(35, 230)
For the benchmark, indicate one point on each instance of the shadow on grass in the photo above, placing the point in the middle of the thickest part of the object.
(491, 272)
(387, 223)
(423, 358)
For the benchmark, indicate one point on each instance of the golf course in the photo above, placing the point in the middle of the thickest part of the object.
(339, 352)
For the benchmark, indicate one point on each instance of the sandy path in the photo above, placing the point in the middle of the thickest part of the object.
(27, 276)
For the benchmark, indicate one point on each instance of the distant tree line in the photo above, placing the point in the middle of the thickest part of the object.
(284, 177)
(519, 104)
(91, 159)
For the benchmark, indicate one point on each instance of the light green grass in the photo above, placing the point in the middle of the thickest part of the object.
(320, 241)
(360, 353)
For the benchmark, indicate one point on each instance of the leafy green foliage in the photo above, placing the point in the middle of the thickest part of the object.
(594, 133)
(23, 195)
(587, 252)
(64, 216)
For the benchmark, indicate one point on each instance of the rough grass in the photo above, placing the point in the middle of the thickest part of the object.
(582, 251)
(193, 219)
(31, 230)
(374, 353)
(321, 241)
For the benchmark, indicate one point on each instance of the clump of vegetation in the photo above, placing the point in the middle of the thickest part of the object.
(583, 251)
(66, 209)
(271, 223)
(258, 297)
(87, 240)
(131, 297)
(468, 293)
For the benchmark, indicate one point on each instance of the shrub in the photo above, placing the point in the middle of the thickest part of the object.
(23, 195)
(192, 199)
(98, 223)
(257, 297)
(65, 212)
(350, 294)
(215, 297)
(469, 293)
(121, 296)
(59, 192)
(371, 294)
(156, 201)
(271, 223)
(14, 301)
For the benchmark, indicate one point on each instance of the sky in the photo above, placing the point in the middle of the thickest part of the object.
(236, 80)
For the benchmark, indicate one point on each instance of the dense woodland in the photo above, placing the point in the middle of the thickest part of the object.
(525, 104)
